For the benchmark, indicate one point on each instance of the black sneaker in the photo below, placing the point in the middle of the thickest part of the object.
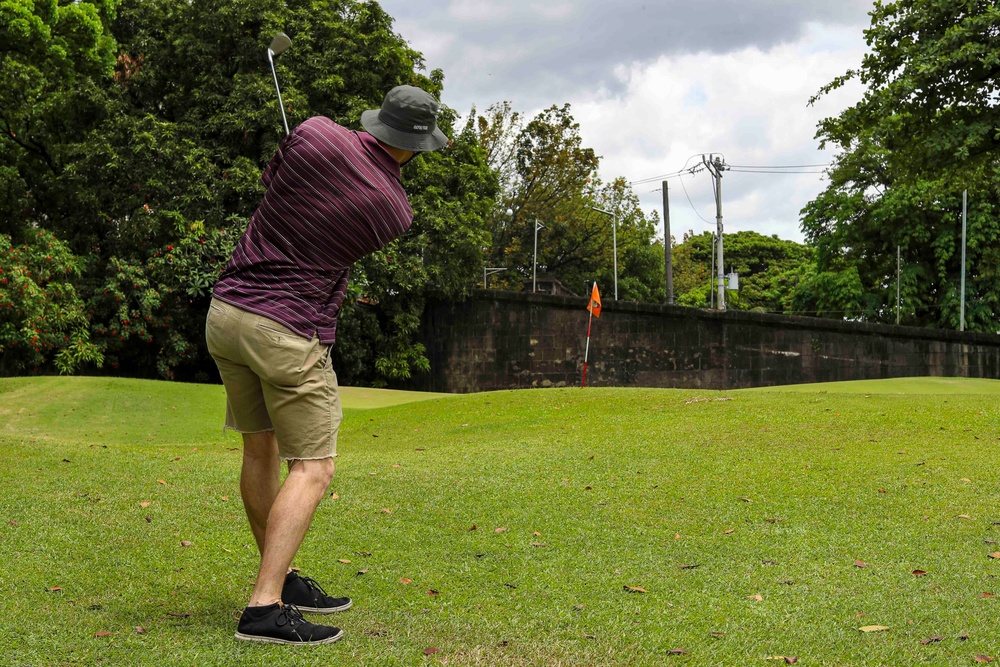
(283, 624)
(307, 595)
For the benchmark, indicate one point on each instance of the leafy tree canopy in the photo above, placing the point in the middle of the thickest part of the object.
(927, 128)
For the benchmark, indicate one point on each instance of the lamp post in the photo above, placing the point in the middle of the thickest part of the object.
(490, 270)
(614, 239)
(534, 261)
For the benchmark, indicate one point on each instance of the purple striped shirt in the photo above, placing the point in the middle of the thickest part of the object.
(333, 196)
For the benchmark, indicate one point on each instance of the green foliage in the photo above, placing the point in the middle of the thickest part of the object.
(770, 270)
(547, 175)
(925, 130)
(138, 130)
(41, 315)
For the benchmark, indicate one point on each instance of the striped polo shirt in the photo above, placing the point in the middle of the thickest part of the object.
(333, 196)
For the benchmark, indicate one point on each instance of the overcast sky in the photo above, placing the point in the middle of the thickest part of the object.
(655, 84)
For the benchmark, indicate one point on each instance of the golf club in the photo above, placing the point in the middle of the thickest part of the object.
(277, 47)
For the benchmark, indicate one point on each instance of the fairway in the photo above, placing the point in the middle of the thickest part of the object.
(537, 527)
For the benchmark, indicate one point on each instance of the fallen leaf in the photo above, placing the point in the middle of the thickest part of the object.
(578, 607)
(431, 591)
(588, 488)
(474, 527)
(677, 536)
(860, 563)
(431, 650)
(964, 637)
(995, 554)
(404, 580)
(343, 560)
(989, 595)
(873, 628)
(537, 534)
(226, 498)
(145, 503)
(860, 614)
(538, 544)
(185, 543)
(565, 479)
(226, 550)
(729, 532)
(918, 573)
(512, 586)
(396, 465)
(931, 640)
(717, 634)
(162, 481)
(334, 496)
(149, 519)
(983, 658)
(746, 500)
(635, 589)
(966, 480)
(758, 597)
(361, 573)
(676, 651)
(419, 449)
(139, 630)
(103, 633)
(55, 589)
(772, 520)
(363, 553)
(687, 567)
(963, 516)
(882, 491)
(500, 530)
(385, 510)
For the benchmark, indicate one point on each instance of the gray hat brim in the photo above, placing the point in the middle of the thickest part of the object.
(407, 141)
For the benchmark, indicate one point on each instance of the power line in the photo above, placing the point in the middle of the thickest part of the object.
(684, 187)
(776, 166)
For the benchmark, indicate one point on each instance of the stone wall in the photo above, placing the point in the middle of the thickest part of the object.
(505, 340)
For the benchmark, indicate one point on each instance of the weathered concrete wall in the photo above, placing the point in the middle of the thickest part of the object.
(503, 340)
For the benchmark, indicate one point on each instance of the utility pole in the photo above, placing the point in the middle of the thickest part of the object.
(716, 166)
(667, 249)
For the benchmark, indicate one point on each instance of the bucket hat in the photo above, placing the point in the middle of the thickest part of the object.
(407, 120)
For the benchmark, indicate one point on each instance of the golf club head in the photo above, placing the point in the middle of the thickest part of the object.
(279, 44)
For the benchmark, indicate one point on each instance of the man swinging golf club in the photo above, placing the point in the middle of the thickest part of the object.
(333, 196)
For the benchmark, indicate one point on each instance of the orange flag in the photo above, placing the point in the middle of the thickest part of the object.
(595, 302)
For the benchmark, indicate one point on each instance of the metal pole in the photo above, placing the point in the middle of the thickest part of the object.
(667, 249)
(614, 241)
(897, 282)
(534, 267)
(711, 278)
(965, 207)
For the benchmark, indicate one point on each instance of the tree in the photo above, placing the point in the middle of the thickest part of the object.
(548, 176)
(141, 146)
(925, 130)
(769, 269)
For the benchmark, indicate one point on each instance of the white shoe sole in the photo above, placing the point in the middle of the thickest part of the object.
(273, 640)
(325, 610)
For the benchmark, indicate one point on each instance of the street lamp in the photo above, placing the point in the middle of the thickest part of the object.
(614, 237)
(534, 261)
(490, 270)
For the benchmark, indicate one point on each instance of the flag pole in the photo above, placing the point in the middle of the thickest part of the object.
(586, 351)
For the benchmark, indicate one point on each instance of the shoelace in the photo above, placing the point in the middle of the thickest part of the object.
(291, 616)
(313, 585)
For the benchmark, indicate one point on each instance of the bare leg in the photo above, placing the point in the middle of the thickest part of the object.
(291, 514)
(259, 480)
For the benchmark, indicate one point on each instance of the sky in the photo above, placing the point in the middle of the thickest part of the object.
(656, 84)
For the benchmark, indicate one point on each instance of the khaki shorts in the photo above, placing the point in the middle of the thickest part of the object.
(275, 380)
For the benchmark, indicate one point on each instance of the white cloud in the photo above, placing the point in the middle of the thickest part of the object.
(749, 105)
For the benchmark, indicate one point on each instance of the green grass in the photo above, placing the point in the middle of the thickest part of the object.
(623, 486)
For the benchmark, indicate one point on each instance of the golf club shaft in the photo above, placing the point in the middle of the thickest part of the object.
(281, 104)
